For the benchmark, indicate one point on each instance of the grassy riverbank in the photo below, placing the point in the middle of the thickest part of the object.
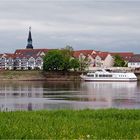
(85, 124)
(21, 75)
(35, 75)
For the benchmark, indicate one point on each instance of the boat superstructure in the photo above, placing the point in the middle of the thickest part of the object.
(103, 75)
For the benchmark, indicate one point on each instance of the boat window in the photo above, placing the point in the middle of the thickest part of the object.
(105, 75)
(100, 75)
(90, 75)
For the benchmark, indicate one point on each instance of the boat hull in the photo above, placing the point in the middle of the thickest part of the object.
(109, 80)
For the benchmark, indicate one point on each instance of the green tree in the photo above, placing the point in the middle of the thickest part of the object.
(62, 59)
(53, 60)
(67, 54)
(118, 61)
(74, 64)
(66, 63)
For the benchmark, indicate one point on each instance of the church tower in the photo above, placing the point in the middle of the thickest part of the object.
(29, 41)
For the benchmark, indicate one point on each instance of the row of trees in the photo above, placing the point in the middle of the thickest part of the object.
(63, 60)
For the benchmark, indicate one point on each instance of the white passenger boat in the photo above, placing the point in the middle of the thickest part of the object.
(103, 75)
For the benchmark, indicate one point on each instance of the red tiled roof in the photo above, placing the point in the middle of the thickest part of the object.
(21, 53)
(135, 58)
(76, 54)
(84, 52)
(27, 53)
(9, 55)
(93, 56)
(125, 55)
(31, 50)
(103, 55)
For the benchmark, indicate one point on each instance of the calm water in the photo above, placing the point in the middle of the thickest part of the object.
(68, 95)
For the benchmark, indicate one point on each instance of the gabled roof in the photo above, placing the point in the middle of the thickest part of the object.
(92, 53)
(135, 58)
(84, 52)
(21, 53)
(125, 55)
(93, 56)
(30, 51)
(76, 54)
(103, 55)
(8, 55)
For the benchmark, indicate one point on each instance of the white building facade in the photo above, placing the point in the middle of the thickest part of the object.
(134, 62)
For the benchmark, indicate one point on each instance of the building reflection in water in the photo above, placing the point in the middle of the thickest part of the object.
(68, 95)
(112, 94)
(17, 95)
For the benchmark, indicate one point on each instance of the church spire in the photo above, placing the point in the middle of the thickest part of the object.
(29, 45)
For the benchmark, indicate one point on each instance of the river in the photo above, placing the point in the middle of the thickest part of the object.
(68, 95)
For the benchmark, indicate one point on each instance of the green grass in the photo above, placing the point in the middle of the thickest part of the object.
(67, 124)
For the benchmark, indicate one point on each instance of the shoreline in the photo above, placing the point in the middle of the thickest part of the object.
(35, 75)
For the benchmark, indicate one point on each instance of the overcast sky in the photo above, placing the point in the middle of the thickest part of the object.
(105, 25)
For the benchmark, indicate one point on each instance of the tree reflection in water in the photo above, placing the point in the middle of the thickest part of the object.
(23, 95)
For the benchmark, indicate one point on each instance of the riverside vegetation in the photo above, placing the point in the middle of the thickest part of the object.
(21, 75)
(70, 124)
(36, 75)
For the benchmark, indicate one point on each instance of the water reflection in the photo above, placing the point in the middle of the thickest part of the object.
(68, 95)
(113, 95)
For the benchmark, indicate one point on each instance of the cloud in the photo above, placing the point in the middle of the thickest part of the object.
(104, 25)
